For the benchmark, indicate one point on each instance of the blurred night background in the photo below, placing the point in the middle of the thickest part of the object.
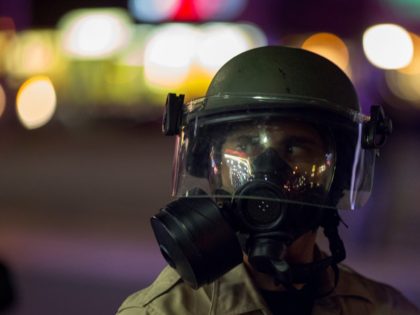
(83, 165)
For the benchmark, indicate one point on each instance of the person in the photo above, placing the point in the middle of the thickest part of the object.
(271, 154)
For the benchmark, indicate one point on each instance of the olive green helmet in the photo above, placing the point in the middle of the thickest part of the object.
(276, 83)
(286, 72)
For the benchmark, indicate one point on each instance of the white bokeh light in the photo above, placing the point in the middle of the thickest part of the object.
(169, 53)
(36, 102)
(388, 46)
(220, 43)
(95, 33)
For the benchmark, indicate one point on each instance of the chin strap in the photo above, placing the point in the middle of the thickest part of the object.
(266, 253)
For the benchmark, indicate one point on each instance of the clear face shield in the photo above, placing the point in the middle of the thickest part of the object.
(298, 161)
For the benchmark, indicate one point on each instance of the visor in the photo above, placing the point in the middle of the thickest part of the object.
(303, 153)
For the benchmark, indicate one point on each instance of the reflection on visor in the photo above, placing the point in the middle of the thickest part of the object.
(239, 167)
(303, 181)
(293, 156)
(241, 172)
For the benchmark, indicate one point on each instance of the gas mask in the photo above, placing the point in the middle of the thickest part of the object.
(269, 181)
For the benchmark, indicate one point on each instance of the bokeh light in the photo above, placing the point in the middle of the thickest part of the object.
(207, 10)
(133, 55)
(388, 46)
(254, 35)
(169, 54)
(407, 8)
(95, 33)
(185, 56)
(153, 10)
(414, 66)
(6, 40)
(2, 100)
(7, 24)
(220, 42)
(187, 12)
(32, 52)
(231, 9)
(404, 86)
(36, 102)
(219, 9)
(329, 46)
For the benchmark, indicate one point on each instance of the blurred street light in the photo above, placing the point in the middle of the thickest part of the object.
(36, 102)
(95, 33)
(388, 46)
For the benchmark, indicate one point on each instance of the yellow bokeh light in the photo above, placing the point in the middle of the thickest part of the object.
(329, 46)
(183, 55)
(32, 52)
(414, 66)
(388, 46)
(133, 55)
(2, 100)
(36, 102)
(95, 33)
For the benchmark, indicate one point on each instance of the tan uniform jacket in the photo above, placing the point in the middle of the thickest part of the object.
(234, 294)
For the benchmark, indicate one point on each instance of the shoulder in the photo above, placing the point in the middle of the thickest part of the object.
(380, 296)
(166, 293)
